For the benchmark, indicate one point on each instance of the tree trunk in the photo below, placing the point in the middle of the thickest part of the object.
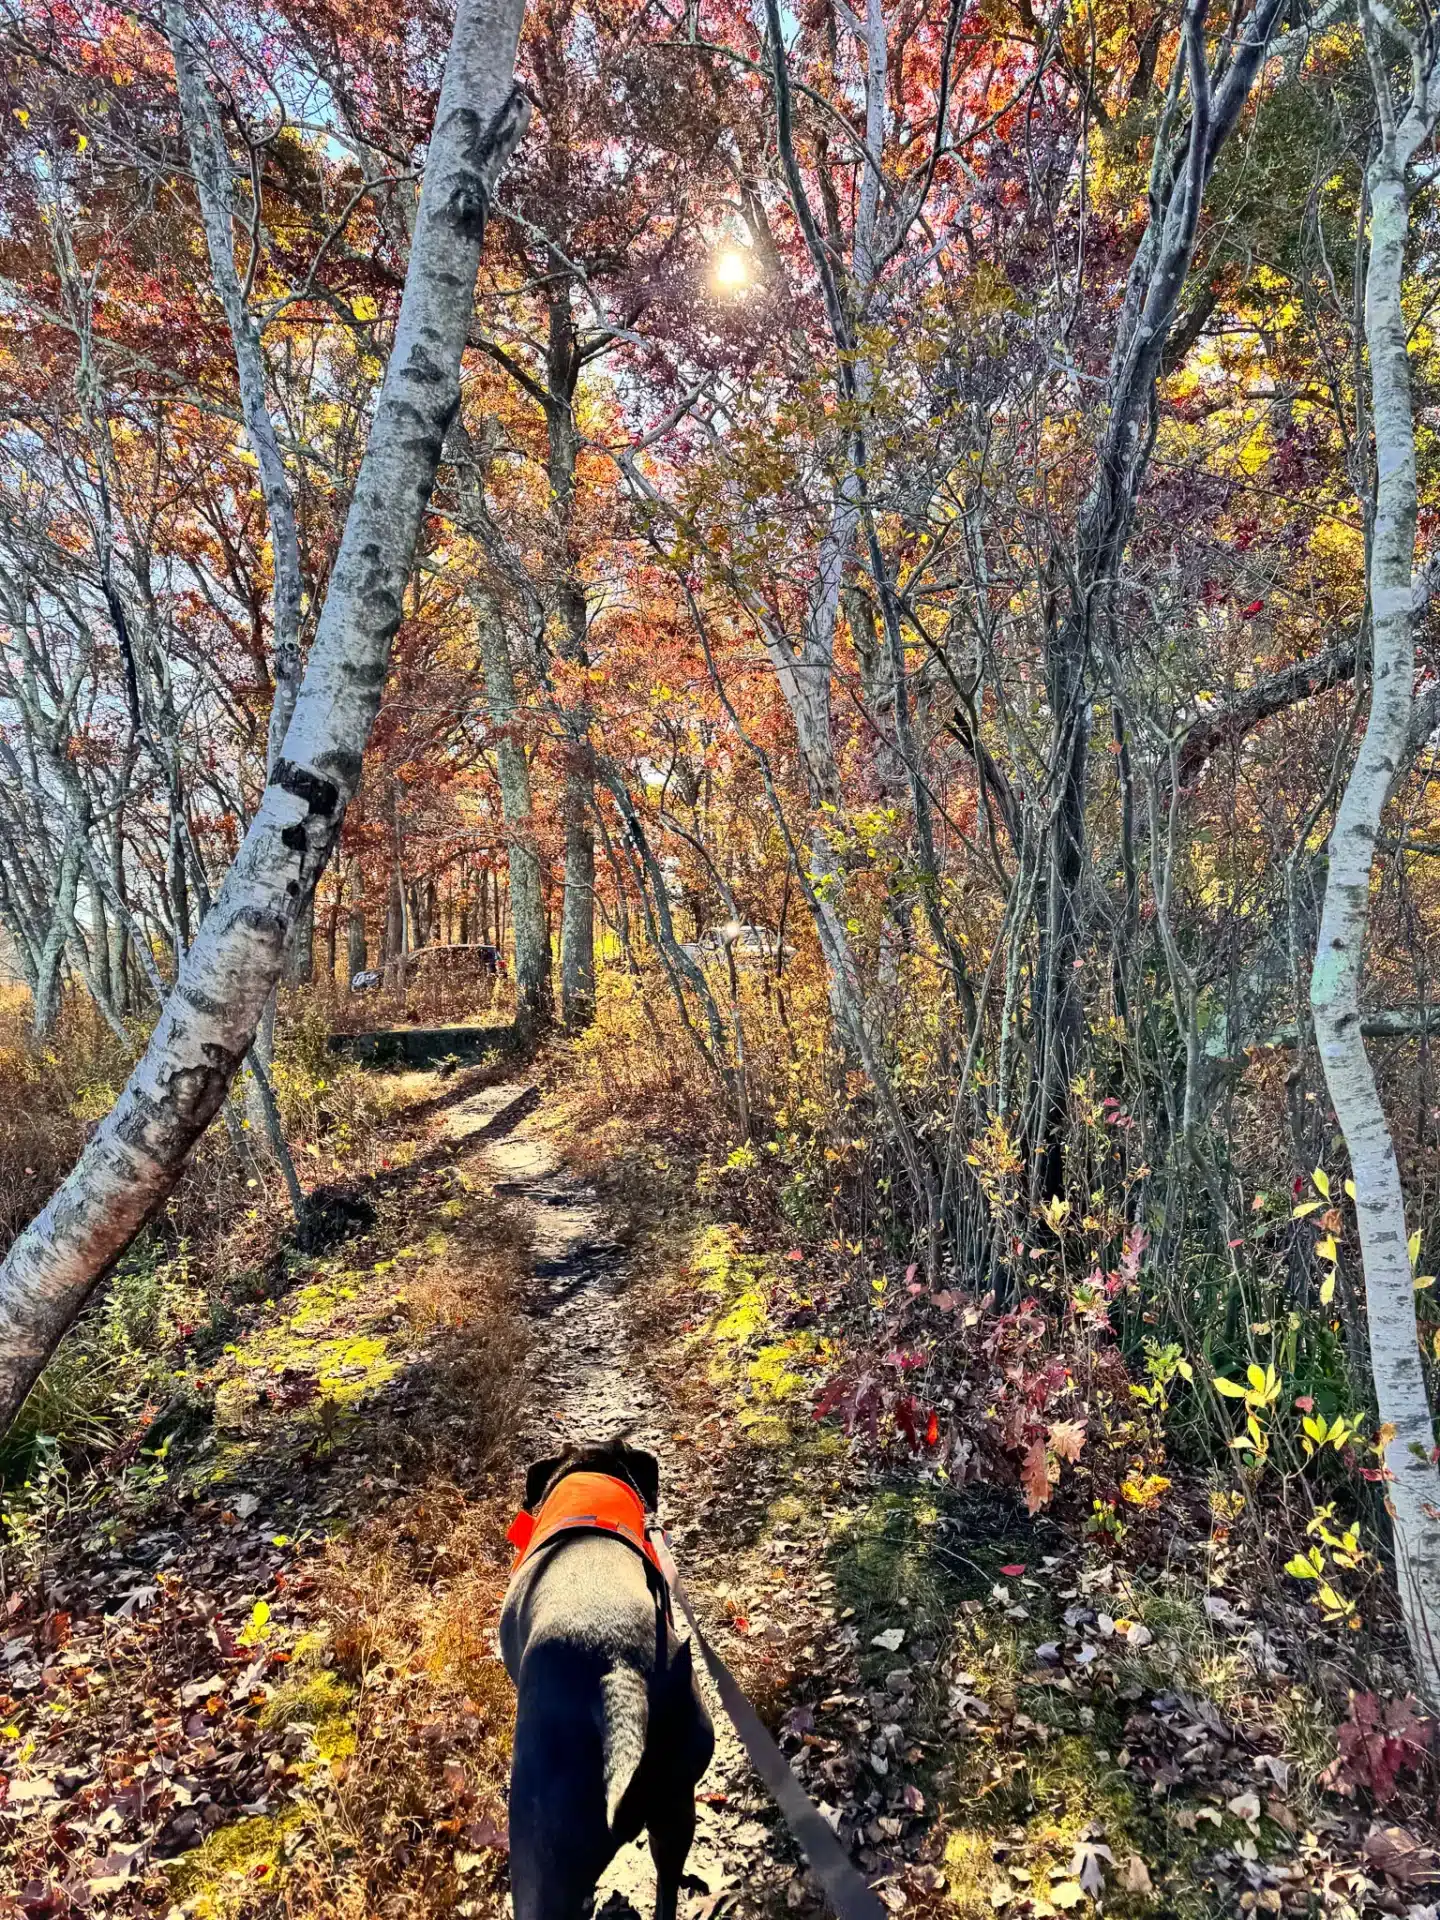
(214, 185)
(1413, 1493)
(527, 908)
(356, 957)
(394, 928)
(205, 1029)
(577, 913)
(100, 939)
(300, 960)
(52, 954)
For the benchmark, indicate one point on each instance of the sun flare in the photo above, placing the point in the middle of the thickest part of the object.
(732, 270)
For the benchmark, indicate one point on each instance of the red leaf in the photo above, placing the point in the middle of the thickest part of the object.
(1014, 1571)
(932, 1431)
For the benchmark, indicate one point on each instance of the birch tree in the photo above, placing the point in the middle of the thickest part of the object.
(210, 1018)
(1385, 751)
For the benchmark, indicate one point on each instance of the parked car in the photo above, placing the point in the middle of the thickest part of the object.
(751, 946)
(476, 960)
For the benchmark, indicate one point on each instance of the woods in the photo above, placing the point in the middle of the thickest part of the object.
(859, 581)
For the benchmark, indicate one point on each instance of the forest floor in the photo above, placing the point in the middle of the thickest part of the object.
(249, 1667)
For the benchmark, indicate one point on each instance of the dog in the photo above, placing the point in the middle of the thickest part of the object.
(611, 1734)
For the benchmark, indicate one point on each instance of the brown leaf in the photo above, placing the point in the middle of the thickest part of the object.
(1067, 1437)
(1136, 1877)
(1399, 1856)
(1035, 1477)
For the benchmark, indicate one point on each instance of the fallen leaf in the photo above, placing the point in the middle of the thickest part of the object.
(1245, 1806)
(1086, 1867)
(1136, 1877)
(1067, 1894)
(1399, 1856)
(890, 1641)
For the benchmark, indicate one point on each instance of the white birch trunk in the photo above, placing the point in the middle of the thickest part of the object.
(210, 163)
(209, 1020)
(1414, 1491)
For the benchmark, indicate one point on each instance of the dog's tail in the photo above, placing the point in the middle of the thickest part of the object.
(625, 1704)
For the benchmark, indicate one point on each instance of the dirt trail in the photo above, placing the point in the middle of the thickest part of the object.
(587, 1380)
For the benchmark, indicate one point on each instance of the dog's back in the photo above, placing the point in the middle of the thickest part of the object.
(611, 1735)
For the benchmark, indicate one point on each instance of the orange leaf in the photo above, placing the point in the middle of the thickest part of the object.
(1035, 1477)
(1067, 1437)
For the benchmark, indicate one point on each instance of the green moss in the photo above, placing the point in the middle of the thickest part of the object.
(216, 1880)
(744, 1319)
(788, 1509)
(765, 1430)
(772, 1370)
(321, 1700)
(311, 1697)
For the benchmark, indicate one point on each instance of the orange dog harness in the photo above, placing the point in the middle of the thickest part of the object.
(583, 1503)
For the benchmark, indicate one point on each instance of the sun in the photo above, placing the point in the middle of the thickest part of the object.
(732, 270)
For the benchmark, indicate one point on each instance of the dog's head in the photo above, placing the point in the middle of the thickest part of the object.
(615, 1456)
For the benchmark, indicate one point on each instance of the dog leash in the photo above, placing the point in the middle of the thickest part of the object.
(847, 1893)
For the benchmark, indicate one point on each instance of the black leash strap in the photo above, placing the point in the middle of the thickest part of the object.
(847, 1893)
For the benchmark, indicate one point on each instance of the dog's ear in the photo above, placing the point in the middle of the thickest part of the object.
(538, 1477)
(644, 1470)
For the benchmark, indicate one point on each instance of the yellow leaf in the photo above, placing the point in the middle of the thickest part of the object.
(82, 143)
(1350, 1188)
(1424, 1280)
(1327, 1288)
(22, 116)
(1326, 1249)
(1322, 1181)
(1414, 1246)
(1229, 1388)
(1306, 1206)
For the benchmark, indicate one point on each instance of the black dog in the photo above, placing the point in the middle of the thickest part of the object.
(611, 1734)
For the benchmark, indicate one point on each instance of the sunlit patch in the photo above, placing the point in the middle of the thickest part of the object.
(731, 270)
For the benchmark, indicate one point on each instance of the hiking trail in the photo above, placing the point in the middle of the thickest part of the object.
(587, 1379)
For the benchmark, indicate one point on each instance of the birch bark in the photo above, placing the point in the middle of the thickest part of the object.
(1335, 983)
(210, 164)
(137, 1154)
